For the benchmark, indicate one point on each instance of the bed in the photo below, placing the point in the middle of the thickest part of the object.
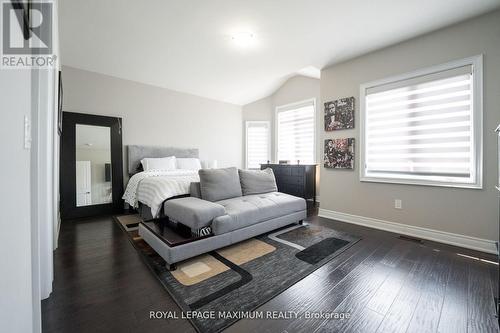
(146, 191)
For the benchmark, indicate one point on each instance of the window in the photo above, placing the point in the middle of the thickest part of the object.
(295, 135)
(425, 127)
(258, 143)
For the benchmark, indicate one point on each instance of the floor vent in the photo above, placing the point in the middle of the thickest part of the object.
(411, 239)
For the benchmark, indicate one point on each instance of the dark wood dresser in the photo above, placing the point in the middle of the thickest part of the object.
(295, 179)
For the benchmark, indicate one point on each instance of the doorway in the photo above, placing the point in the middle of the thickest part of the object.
(91, 165)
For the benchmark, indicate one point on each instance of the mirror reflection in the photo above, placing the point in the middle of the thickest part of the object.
(93, 165)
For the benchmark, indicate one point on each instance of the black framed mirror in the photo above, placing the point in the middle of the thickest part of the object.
(91, 169)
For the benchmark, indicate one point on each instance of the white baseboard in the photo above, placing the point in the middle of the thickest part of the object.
(468, 242)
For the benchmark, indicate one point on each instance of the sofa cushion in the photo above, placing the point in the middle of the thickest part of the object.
(194, 189)
(193, 212)
(248, 210)
(219, 184)
(257, 181)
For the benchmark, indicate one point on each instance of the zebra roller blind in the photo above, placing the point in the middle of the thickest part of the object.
(422, 128)
(295, 132)
(258, 143)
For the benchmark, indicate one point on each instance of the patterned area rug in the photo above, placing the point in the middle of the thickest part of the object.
(243, 276)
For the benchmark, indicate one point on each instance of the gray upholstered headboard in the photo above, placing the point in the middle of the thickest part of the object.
(136, 153)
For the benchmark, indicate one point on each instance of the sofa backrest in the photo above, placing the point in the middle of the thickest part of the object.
(194, 190)
(219, 184)
(257, 181)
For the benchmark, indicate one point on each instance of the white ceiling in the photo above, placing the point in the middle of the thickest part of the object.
(186, 45)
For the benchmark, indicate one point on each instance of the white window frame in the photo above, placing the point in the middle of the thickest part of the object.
(477, 120)
(248, 123)
(291, 106)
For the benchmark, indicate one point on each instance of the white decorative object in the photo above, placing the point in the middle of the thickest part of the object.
(210, 164)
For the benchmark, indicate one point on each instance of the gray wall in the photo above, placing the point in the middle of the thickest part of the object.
(158, 116)
(463, 211)
(295, 89)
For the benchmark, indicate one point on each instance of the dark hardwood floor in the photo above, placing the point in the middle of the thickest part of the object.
(386, 285)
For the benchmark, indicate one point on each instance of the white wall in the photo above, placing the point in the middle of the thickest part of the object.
(158, 116)
(461, 211)
(295, 89)
(42, 173)
(16, 312)
(28, 179)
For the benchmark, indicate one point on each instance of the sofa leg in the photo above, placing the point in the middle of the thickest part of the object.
(170, 267)
(301, 222)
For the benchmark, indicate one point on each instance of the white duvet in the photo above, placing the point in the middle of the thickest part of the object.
(155, 186)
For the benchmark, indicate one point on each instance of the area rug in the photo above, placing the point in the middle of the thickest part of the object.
(237, 279)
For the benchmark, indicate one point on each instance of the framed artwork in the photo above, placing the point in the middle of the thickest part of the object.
(339, 153)
(339, 114)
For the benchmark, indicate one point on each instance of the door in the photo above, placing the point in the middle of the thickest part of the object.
(91, 172)
(83, 181)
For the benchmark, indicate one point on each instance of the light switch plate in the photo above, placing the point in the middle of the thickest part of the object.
(27, 133)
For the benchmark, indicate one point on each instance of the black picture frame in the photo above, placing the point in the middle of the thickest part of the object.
(60, 105)
(339, 114)
(339, 153)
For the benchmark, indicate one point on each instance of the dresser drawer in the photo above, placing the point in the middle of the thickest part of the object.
(284, 171)
(298, 171)
(296, 190)
(293, 180)
(277, 171)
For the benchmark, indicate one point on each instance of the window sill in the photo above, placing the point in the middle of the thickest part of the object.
(478, 186)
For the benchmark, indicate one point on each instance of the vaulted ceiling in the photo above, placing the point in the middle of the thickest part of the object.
(188, 45)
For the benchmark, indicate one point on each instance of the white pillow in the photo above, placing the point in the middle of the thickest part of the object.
(162, 163)
(188, 163)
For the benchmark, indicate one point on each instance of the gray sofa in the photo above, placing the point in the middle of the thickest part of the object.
(235, 204)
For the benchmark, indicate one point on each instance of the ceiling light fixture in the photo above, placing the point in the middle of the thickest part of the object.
(243, 39)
